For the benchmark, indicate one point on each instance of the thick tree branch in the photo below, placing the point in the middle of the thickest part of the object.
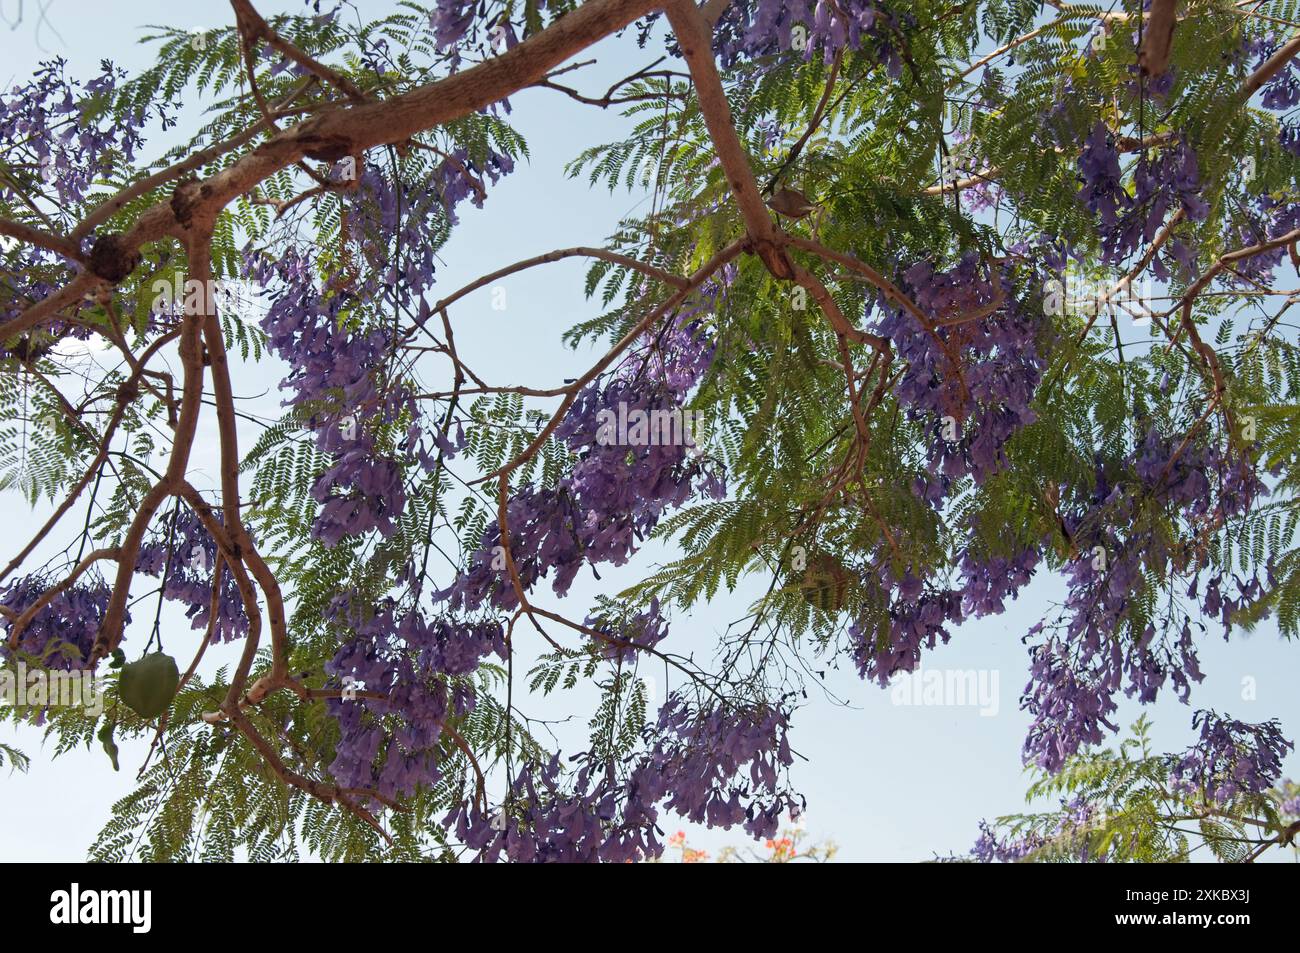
(1270, 67)
(693, 36)
(253, 28)
(66, 247)
(1158, 37)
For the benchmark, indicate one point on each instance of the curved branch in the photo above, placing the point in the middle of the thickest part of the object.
(66, 247)
(626, 261)
(694, 37)
(1270, 67)
(95, 464)
(571, 390)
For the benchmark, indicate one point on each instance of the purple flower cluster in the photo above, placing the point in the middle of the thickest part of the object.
(1289, 137)
(917, 620)
(391, 226)
(1264, 218)
(184, 553)
(1289, 806)
(625, 637)
(750, 29)
(343, 376)
(335, 375)
(460, 178)
(65, 134)
(988, 583)
(545, 823)
(62, 128)
(1076, 815)
(31, 274)
(1170, 180)
(1071, 694)
(450, 21)
(971, 377)
(616, 493)
(1102, 189)
(1282, 91)
(980, 367)
(1231, 758)
(991, 848)
(981, 196)
(391, 744)
(721, 766)
(1073, 677)
(62, 633)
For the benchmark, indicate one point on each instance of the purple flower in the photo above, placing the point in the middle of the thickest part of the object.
(1231, 758)
(62, 633)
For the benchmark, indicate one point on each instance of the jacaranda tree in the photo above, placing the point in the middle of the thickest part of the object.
(932, 297)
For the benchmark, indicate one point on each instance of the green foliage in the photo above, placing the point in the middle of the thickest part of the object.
(775, 394)
(1135, 815)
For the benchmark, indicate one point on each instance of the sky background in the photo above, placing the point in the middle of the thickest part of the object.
(883, 781)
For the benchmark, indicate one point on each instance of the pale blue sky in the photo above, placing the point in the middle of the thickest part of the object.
(886, 782)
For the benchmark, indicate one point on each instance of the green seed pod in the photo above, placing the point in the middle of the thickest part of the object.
(147, 686)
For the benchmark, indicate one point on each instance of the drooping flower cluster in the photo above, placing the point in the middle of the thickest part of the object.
(398, 676)
(971, 375)
(460, 178)
(991, 848)
(981, 196)
(1102, 190)
(1171, 180)
(721, 766)
(545, 822)
(31, 274)
(625, 638)
(755, 28)
(1074, 675)
(62, 633)
(391, 227)
(971, 371)
(1263, 218)
(60, 138)
(455, 31)
(183, 553)
(624, 479)
(718, 766)
(917, 620)
(65, 131)
(343, 375)
(335, 376)
(1071, 694)
(1231, 758)
(1289, 806)
(1068, 837)
(1282, 90)
(988, 583)
(450, 20)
